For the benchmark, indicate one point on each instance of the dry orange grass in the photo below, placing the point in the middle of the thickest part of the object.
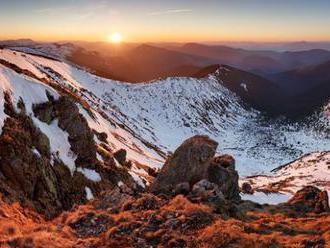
(23, 228)
(180, 204)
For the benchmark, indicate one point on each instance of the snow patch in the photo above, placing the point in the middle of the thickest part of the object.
(312, 169)
(137, 178)
(3, 116)
(263, 198)
(35, 151)
(90, 174)
(244, 86)
(59, 143)
(99, 157)
(89, 194)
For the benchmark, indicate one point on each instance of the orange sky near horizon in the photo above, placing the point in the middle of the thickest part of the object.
(173, 21)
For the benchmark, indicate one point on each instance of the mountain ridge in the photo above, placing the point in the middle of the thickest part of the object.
(215, 109)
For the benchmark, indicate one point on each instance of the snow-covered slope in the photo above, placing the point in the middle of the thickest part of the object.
(151, 119)
(51, 50)
(311, 169)
(31, 91)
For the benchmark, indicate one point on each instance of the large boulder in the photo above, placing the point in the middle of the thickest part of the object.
(194, 161)
(187, 164)
(310, 199)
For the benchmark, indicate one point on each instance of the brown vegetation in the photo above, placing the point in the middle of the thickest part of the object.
(150, 221)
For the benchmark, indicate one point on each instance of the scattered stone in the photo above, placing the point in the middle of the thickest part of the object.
(247, 188)
(120, 156)
(310, 199)
(102, 136)
(114, 199)
(152, 172)
(182, 189)
(91, 224)
(196, 220)
(226, 161)
(207, 192)
(145, 202)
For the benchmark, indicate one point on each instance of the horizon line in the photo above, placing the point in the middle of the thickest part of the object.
(179, 42)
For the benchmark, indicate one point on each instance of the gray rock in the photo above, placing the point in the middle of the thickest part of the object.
(207, 191)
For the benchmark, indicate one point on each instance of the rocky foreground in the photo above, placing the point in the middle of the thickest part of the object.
(194, 201)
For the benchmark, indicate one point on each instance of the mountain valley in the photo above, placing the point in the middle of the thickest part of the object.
(80, 139)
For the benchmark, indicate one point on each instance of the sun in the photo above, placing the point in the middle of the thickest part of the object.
(115, 38)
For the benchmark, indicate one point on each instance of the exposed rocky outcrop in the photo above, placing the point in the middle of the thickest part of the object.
(187, 164)
(194, 161)
(31, 175)
(207, 191)
(71, 121)
(81, 139)
(27, 175)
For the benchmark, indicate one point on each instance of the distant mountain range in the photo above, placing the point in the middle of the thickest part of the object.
(262, 62)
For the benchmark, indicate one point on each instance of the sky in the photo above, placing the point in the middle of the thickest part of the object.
(166, 20)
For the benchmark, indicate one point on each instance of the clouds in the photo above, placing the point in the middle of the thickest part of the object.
(73, 13)
(171, 11)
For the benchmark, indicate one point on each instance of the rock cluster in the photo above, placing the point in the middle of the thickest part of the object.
(192, 213)
(194, 168)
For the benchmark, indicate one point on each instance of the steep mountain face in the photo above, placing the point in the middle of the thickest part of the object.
(139, 64)
(307, 87)
(292, 83)
(254, 90)
(50, 157)
(100, 65)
